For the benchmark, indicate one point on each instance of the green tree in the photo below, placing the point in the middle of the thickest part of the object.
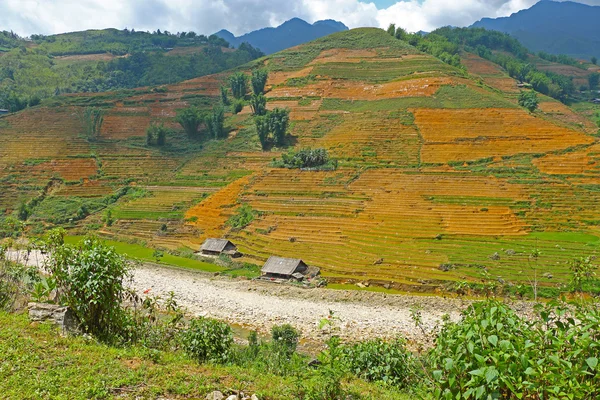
(239, 84)
(262, 129)
(594, 80)
(392, 30)
(224, 97)
(582, 271)
(216, 122)
(279, 121)
(92, 119)
(529, 100)
(594, 60)
(23, 212)
(190, 119)
(156, 133)
(401, 33)
(259, 104)
(259, 80)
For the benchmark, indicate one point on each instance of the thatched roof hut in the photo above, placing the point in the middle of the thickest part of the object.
(284, 268)
(216, 247)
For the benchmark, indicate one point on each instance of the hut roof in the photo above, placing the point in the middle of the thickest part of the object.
(217, 245)
(281, 266)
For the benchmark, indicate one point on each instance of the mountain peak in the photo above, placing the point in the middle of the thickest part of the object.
(289, 34)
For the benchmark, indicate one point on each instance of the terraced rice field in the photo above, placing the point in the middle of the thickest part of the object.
(440, 176)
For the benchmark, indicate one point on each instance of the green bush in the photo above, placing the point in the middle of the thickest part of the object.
(377, 360)
(90, 278)
(208, 340)
(243, 218)
(309, 159)
(285, 338)
(238, 106)
(493, 353)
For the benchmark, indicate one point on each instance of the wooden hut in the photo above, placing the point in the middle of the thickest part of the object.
(284, 268)
(216, 247)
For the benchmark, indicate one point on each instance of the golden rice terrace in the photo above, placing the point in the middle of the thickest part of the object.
(441, 174)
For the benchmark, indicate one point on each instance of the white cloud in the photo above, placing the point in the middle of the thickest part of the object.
(240, 16)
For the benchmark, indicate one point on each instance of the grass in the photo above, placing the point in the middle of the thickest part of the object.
(143, 253)
(36, 363)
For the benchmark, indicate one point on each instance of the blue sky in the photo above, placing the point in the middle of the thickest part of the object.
(240, 16)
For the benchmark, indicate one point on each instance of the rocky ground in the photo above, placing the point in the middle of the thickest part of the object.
(256, 305)
(253, 305)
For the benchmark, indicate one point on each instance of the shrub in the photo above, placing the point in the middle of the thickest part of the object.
(238, 106)
(529, 100)
(493, 353)
(377, 360)
(243, 218)
(308, 158)
(207, 340)
(90, 280)
(279, 121)
(285, 338)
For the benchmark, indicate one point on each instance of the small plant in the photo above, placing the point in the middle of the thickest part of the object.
(42, 290)
(582, 271)
(158, 255)
(208, 340)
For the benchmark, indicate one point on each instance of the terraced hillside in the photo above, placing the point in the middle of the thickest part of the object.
(441, 175)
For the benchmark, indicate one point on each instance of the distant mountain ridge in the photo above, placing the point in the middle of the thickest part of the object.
(554, 27)
(289, 34)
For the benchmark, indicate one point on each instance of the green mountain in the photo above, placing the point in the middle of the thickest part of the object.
(104, 60)
(553, 27)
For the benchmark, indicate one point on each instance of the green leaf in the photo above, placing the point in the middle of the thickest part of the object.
(477, 372)
(592, 362)
(491, 374)
(493, 339)
(437, 375)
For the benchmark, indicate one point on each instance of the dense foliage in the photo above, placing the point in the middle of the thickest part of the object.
(207, 340)
(272, 127)
(90, 278)
(239, 84)
(259, 80)
(529, 100)
(507, 52)
(494, 353)
(308, 159)
(28, 74)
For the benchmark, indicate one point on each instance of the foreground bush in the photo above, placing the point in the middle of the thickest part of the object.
(378, 360)
(208, 340)
(494, 354)
(90, 279)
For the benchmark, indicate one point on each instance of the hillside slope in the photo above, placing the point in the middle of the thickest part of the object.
(289, 34)
(555, 27)
(441, 178)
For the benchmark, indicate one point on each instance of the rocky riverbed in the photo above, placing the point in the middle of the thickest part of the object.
(253, 305)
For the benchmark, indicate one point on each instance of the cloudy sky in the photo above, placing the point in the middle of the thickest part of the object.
(240, 16)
